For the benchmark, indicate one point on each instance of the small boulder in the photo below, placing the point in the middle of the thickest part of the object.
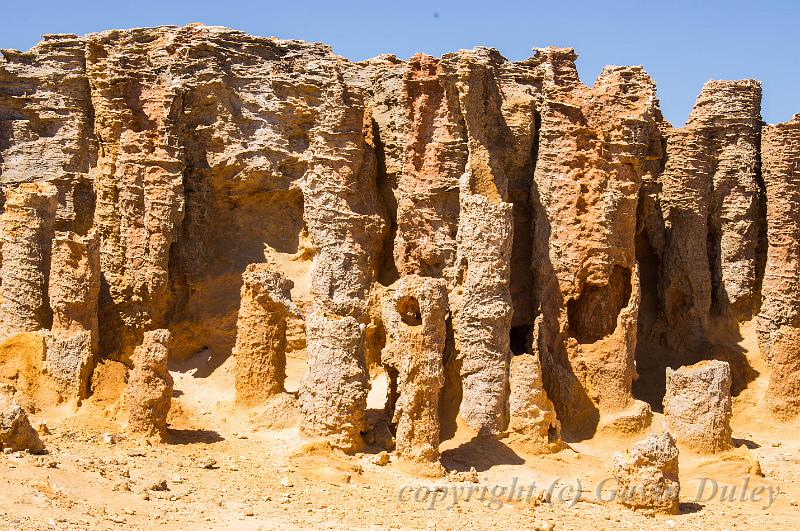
(16, 431)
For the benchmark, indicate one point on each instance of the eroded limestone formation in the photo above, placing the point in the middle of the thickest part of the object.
(143, 171)
(27, 234)
(414, 316)
(260, 351)
(779, 320)
(697, 405)
(73, 290)
(533, 417)
(783, 393)
(149, 390)
(647, 475)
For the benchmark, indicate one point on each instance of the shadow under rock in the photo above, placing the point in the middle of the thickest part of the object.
(482, 453)
(192, 436)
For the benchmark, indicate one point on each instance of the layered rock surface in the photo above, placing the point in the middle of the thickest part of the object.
(144, 170)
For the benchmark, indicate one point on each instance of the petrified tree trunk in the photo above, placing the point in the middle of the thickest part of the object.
(27, 235)
(149, 391)
(260, 350)
(73, 291)
(414, 317)
(779, 320)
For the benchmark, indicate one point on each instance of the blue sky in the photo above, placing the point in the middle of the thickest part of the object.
(681, 44)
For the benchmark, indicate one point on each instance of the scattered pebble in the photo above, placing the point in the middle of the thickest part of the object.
(207, 464)
(286, 482)
(159, 486)
(381, 459)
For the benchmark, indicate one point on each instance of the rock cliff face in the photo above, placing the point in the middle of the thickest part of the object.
(525, 212)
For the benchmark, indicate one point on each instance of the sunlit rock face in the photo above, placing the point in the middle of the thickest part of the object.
(144, 172)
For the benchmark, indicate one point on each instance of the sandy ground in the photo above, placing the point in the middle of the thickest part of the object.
(223, 469)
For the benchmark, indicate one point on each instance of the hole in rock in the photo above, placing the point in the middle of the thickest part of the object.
(552, 434)
(408, 307)
(520, 339)
(593, 315)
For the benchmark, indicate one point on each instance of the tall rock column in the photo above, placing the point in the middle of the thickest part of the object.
(138, 179)
(27, 234)
(414, 317)
(703, 227)
(728, 115)
(779, 320)
(483, 312)
(593, 144)
(260, 351)
(346, 226)
(149, 391)
(73, 290)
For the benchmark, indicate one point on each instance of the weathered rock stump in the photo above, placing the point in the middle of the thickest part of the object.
(16, 431)
(149, 391)
(697, 405)
(647, 475)
(414, 317)
(533, 418)
(260, 351)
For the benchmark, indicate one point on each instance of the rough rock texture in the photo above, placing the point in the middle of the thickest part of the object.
(73, 291)
(783, 393)
(414, 317)
(149, 391)
(701, 231)
(16, 431)
(260, 351)
(333, 395)
(697, 406)
(780, 159)
(647, 475)
(779, 320)
(568, 223)
(593, 145)
(533, 418)
(27, 233)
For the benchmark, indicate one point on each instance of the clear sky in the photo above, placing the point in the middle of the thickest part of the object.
(681, 43)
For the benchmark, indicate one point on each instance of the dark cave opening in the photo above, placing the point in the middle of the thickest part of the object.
(652, 358)
(520, 339)
(593, 315)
